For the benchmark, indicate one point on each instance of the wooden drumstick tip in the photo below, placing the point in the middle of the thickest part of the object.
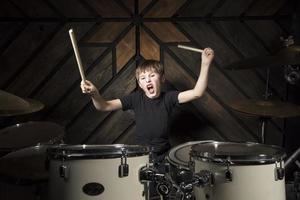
(71, 32)
(77, 55)
(190, 48)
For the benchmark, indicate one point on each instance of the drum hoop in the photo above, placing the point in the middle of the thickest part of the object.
(240, 159)
(69, 152)
(180, 164)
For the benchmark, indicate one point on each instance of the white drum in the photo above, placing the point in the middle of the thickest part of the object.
(97, 172)
(240, 171)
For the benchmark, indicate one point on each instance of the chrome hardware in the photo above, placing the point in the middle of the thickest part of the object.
(123, 167)
(228, 172)
(287, 41)
(279, 171)
(64, 171)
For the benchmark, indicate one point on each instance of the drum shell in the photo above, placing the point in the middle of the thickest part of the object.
(103, 171)
(249, 182)
(251, 178)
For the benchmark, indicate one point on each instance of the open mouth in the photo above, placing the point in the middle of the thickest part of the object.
(150, 88)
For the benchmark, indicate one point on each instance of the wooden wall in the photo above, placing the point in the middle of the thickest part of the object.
(37, 61)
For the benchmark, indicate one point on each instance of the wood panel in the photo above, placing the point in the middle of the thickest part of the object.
(129, 4)
(107, 8)
(38, 59)
(149, 48)
(169, 8)
(107, 32)
(166, 32)
(34, 8)
(22, 49)
(207, 104)
(143, 4)
(205, 35)
(74, 101)
(198, 8)
(219, 84)
(65, 77)
(112, 128)
(72, 8)
(264, 8)
(233, 8)
(89, 119)
(47, 61)
(268, 31)
(125, 49)
(8, 32)
(127, 137)
(9, 10)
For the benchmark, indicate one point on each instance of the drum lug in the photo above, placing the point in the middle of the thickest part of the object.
(228, 172)
(123, 170)
(64, 171)
(228, 175)
(222, 177)
(123, 167)
(279, 171)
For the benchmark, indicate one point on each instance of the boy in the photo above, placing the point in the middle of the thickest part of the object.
(152, 107)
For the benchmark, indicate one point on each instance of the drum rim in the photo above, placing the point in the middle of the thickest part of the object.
(178, 163)
(278, 155)
(64, 151)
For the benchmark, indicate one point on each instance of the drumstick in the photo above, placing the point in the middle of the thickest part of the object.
(77, 55)
(190, 48)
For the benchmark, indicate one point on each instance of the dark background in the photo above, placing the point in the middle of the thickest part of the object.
(37, 61)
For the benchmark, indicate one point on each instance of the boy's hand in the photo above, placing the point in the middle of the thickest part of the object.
(88, 87)
(207, 56)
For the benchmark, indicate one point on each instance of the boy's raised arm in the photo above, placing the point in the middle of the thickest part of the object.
(201, 84)
(99, 102)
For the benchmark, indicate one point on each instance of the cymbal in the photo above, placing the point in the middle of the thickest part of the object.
(29, 134)
(11, 105)
(25, 164)
(269, 109)
(285, 56)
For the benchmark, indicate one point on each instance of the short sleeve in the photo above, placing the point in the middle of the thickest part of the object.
(128, 101)
(171, 99)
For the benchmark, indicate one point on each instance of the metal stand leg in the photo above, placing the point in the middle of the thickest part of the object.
(264, 122)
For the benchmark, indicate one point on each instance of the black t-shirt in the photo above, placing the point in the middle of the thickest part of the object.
(152, 117)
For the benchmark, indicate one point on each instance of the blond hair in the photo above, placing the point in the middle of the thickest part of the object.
(148, 65)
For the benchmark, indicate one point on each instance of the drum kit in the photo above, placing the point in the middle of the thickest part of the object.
(193, 170)
(200, 170)
(23, 145)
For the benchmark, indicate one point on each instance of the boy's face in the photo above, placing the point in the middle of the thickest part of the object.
(150, 82)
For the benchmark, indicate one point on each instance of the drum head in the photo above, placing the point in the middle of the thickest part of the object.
(96, 151)
(180, 155)
(237, 153)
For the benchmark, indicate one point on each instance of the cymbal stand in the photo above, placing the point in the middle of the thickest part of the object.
(264, 120)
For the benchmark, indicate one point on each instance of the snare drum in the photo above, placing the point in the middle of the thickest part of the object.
(102, 172)
(241, 171)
